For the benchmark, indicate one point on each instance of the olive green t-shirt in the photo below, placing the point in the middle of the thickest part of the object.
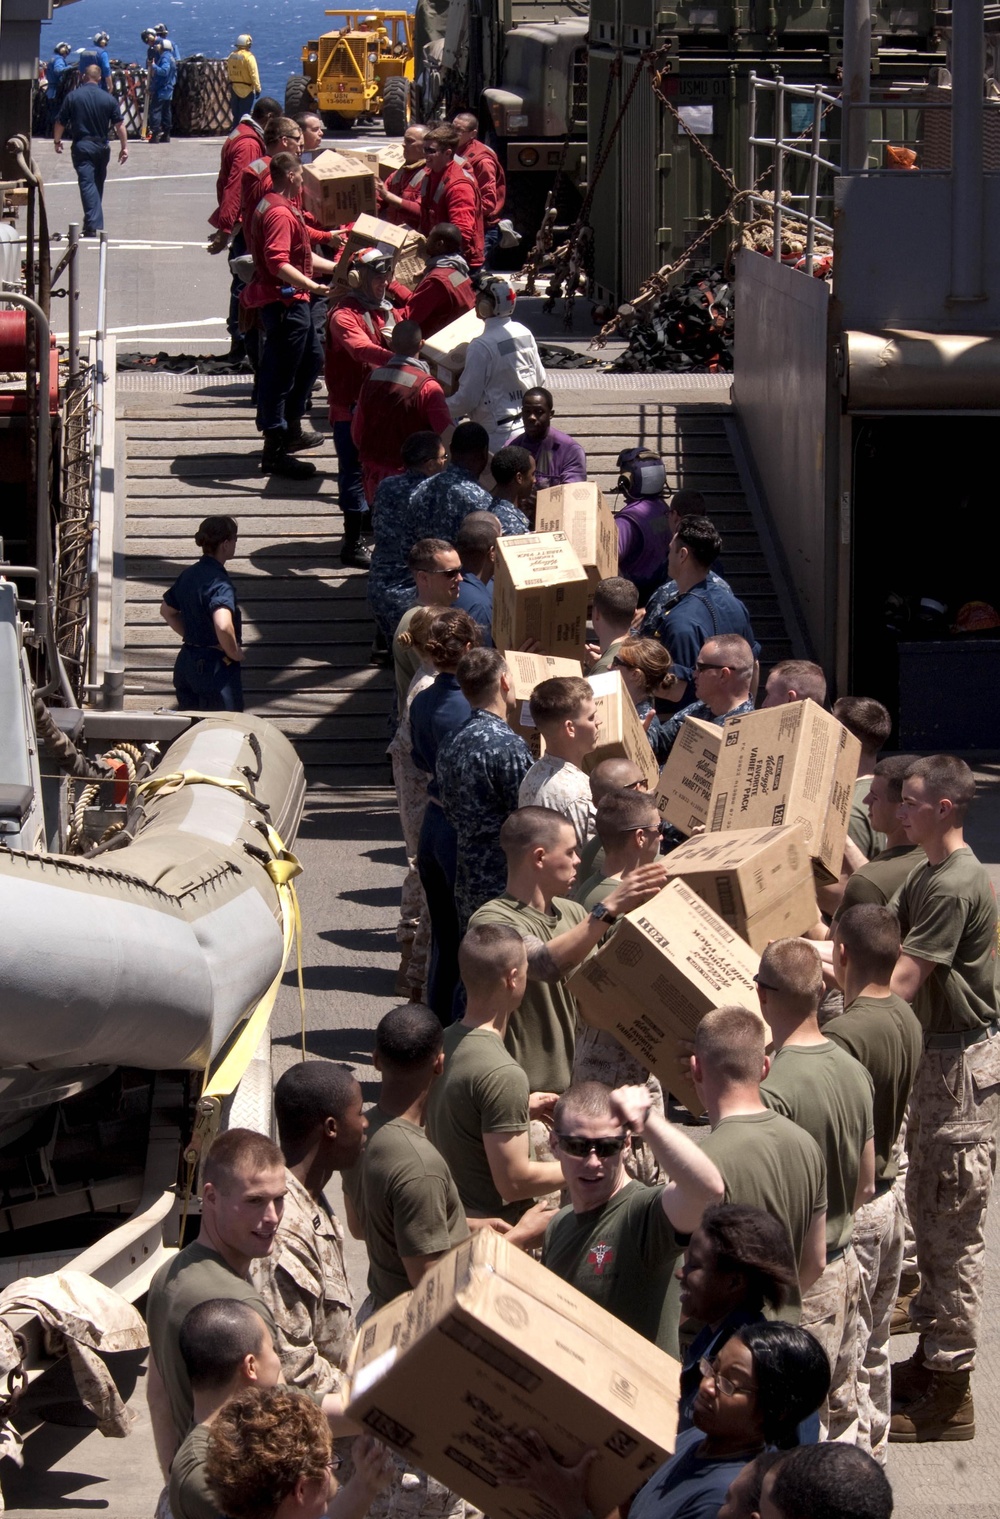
(881, 878)
(541, 1035)
(482, 1091)
(622, 1257)
(859, 824)
(948, 915)
(594, 890)
(767, 1161)
(830, 1095)
(884, 1035)
(195, 1274)
(409, 1203)
(591, 860)
(190, 1495)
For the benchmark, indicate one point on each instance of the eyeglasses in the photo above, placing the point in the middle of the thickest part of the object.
(579, 1147)
(700, 666)
(765, 985)
(335, 1463)
(641, 784)
(620, 664)
(727, 1388)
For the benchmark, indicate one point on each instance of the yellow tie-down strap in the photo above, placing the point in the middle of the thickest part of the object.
(282, 868)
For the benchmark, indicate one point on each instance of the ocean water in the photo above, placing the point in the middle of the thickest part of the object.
(208, 26)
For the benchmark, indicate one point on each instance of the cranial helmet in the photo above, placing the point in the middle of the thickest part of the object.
(161, 30)
(62, 47)
(101, 39)
(243, 40)
(164, 45)
(640, 473)
(495, 297)
(370, 263)
(147, 34)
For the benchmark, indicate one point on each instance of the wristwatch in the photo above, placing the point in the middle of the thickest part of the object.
(601, 914)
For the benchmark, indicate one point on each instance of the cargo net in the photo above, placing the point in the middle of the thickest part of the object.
(201, 98)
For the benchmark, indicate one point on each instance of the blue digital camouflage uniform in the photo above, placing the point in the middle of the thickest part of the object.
(390, 585)
(697, 615)
(479, 770)
(669, 727)
(662, 600)
(440, 502)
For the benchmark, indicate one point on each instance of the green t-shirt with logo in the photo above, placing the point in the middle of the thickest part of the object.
(622, 1257)
(406, 1200)
(884, 1035)
(948, 915)
(830, 1095)
(482, 1091)
(541, 1035)
(768, 1162)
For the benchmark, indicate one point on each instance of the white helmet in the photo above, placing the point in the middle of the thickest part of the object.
(62, 47)
(496, 297)
(165, 45)
(243, 40)
(101, 39)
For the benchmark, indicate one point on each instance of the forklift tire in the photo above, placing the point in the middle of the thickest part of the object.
(335, 122)
(298, 96)
(396, 106)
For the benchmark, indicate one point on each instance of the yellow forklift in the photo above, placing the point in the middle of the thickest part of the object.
(362, 70)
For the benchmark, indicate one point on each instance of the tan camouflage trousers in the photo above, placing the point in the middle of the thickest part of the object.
(901, 1154)
(830, 1312)
(878, 1244)
(954, 1108)
(414, 925)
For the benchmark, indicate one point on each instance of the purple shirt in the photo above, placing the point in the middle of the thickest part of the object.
(643, 538)
(559, 459)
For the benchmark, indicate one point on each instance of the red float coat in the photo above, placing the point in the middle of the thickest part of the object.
(407, 182)
(240, 148)
(440, 297)
(452, 195)
(490, 178)
(278, 236)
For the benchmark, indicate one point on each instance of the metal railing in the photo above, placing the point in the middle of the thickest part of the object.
(911, 118)
(810, 147)
(98, 417)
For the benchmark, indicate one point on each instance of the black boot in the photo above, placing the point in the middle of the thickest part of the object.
(237, 351)
(276, 460)
(300, 436)
(352, 550)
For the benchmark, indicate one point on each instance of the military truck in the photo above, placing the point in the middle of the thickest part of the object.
(358, 72)
(520, 66)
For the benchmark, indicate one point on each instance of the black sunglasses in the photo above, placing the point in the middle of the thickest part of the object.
(579, 1147)
(765, 984)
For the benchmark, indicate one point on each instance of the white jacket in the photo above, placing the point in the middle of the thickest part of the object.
(501, 364)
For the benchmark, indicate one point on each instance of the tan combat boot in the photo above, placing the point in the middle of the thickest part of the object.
(945, 1412)
(909, 1286)
(910, 1379)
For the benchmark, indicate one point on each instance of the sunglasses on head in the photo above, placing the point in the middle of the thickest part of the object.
(580, 1147)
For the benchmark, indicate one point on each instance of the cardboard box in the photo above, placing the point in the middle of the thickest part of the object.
(684, 787)
(337, 189)
(526, 672)
(760, 880)
(382, 162)
(582, 512)
(492, 1343)
(404, 246)
(790, 764)
(445, 351)
(654, 978)
(540, 593)
(621, 735)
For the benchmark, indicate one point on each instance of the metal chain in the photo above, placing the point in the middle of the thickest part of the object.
(702, 147)
(657, 283)
(567, 268)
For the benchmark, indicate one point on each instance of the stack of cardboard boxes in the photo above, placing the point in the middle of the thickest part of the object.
(491, 1344)
(404, 246)
(540, 594)
(582, 512)
(337, 188)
